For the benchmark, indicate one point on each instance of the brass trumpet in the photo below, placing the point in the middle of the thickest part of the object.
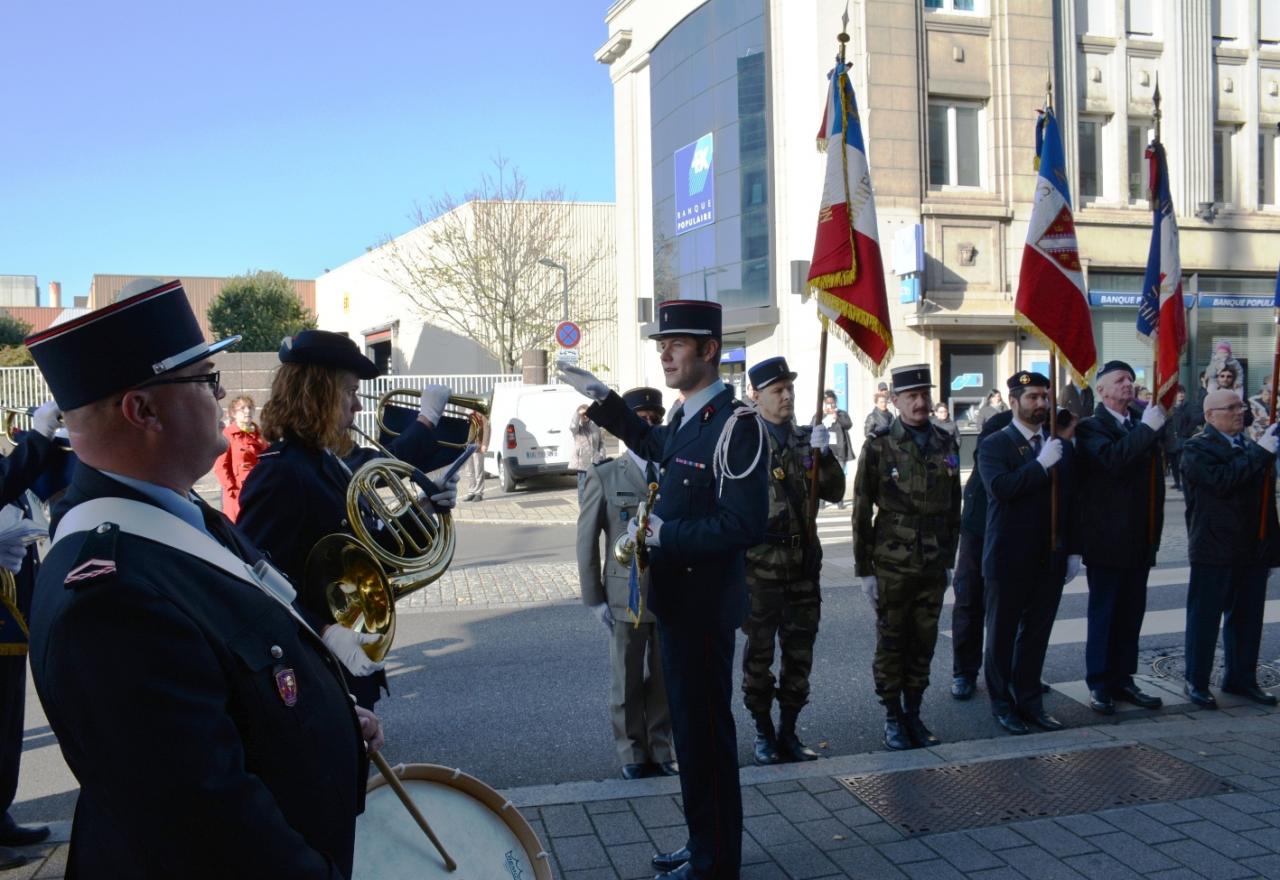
(625, 548)
(361, 577)
(406, 400)
(11, 416)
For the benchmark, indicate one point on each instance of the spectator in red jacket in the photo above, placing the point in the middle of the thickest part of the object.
(244, 444)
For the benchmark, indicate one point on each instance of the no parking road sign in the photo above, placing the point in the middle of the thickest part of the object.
(568, 334)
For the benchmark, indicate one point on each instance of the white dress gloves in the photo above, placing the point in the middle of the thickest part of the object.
(431, 405)
(346, 644)
(583, 382)
(1153, 416)
(1051, 454)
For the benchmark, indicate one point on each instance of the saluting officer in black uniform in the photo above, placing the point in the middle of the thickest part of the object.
(712, 505)
(297, 492)
(206, 722)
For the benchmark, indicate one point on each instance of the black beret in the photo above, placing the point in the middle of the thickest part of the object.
(1025, 378)
(112, 349)
(325, 348)
(1113, 366)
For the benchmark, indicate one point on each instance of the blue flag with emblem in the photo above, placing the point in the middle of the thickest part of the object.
(635, 603)
(1277, 299)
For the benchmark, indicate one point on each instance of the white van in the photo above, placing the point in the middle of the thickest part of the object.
(529, 431)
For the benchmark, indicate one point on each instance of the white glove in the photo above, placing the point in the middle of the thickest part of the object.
(583, 382)
(1269, 439)
(44, 421)
(346, 646)
(605, 613)
(370, 729)
(12, 553)
(1153, 416)
(655, 528)
(431, 405)
(819, 437)
(871, 588)
(447, 497)
(1051, 454)
(1073, 566)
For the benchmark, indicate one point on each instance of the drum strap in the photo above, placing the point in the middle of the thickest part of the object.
(154, 524)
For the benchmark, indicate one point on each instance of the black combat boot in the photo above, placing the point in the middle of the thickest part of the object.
(766, 740)
(895, 736)
(921, 737)
(788, 743)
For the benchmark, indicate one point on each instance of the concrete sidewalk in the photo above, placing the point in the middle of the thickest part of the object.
(802, 822)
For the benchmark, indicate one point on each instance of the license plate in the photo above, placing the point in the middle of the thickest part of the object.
(544, 452)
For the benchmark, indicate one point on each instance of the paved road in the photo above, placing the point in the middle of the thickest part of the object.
(504, 673)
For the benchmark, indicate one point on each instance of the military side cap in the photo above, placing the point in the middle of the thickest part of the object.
(914, 376)
(324, 348)
(1115, 366)
(150, 329)
(1025, 378)
(765, 373)
(644, 398)
(688, 317)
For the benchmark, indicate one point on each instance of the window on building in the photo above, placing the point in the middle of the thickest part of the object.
(1269, 22)
(1095, 17)
(1140, 17)
(1268, 162)
(1223, 164)
(1226, 19)
(951, 5)
(1139, 138)
(1090, 158)
(955, 144)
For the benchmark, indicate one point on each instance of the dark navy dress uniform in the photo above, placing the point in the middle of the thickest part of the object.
(33, 456)
(698, 592)
(1121, 515)
(295, 495)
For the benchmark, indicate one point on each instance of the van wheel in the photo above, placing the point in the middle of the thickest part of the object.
(504, 475)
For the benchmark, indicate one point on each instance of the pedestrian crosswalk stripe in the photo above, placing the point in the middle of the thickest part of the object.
(1155, 623)
(1079, 585)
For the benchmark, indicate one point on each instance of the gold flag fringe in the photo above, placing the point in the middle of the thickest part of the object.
(1082, 379)
(858, 316)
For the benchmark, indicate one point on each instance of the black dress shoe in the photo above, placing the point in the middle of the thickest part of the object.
(684, 872)
(1200, 696)
(921, 736)
(1012, 723)
(1252, 692)
(1100, 701)
(12, 834)
(672, 860)
(766, 750)
(11, 859)
(790, 747)
(669, 768)
(1044, 687)
(962, 687)
(1130, 693)
(1043, 720)
(634, 771)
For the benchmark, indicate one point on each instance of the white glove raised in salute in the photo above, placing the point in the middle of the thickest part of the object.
(819, 437)
(46, 419)
(1153, 416)
(1051, 454)
(432, 403)
(1270, 438)
(583, 381)
(346, 644)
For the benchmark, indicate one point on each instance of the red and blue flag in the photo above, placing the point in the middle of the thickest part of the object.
(1162, 321)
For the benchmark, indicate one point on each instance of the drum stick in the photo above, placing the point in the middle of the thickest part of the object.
(394, 781)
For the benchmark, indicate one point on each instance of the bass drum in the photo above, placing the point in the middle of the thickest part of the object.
(479, 828)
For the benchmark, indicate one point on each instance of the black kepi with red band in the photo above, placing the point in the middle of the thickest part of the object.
(148, 331)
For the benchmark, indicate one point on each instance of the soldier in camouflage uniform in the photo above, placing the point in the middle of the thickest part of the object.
(908, 478)
(782, 572)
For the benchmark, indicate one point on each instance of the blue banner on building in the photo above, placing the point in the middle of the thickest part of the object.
(695, 184)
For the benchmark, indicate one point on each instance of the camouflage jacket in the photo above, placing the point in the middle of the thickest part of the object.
(783, 554)
(906, 503)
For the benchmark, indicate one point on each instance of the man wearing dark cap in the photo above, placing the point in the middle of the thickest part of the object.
(1228, 484)
(637, 696)
(906, 522)
(783, 572)
(297, 492)
(205, 720)
(1119, 450)
(1024, 564)
(712, 505)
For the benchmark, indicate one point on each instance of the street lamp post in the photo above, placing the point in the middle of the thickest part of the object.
(552, 264)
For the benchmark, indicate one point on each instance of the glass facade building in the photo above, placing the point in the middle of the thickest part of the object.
(710, 157)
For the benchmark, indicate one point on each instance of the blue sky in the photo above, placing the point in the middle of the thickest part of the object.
(212, 139)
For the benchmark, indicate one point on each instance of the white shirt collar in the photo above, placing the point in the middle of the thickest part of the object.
(1122, 418)
(1026, 431)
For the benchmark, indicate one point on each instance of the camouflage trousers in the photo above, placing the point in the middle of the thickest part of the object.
(788, 612)
(907, 609)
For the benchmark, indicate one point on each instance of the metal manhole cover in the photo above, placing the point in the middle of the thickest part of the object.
(1172, 665)
(546, 502)
(963, 796)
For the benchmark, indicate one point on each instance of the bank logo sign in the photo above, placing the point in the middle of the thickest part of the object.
(695, 184)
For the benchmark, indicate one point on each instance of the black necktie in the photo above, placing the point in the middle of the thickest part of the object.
(1238, 441)
(650, 472)
(1035, 443)
(1128, 424)
(677, 419)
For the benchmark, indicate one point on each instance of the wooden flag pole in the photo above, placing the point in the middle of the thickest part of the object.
(1053, 433)
(1269, 479)
(1153, 197)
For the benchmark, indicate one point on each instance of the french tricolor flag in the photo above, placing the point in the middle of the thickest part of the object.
(1162, 320)
(1051, 302)
(847, 273)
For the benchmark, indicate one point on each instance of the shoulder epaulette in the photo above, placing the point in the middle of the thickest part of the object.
(96, 559)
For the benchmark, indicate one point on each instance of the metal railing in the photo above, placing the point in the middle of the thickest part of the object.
(23, 387)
